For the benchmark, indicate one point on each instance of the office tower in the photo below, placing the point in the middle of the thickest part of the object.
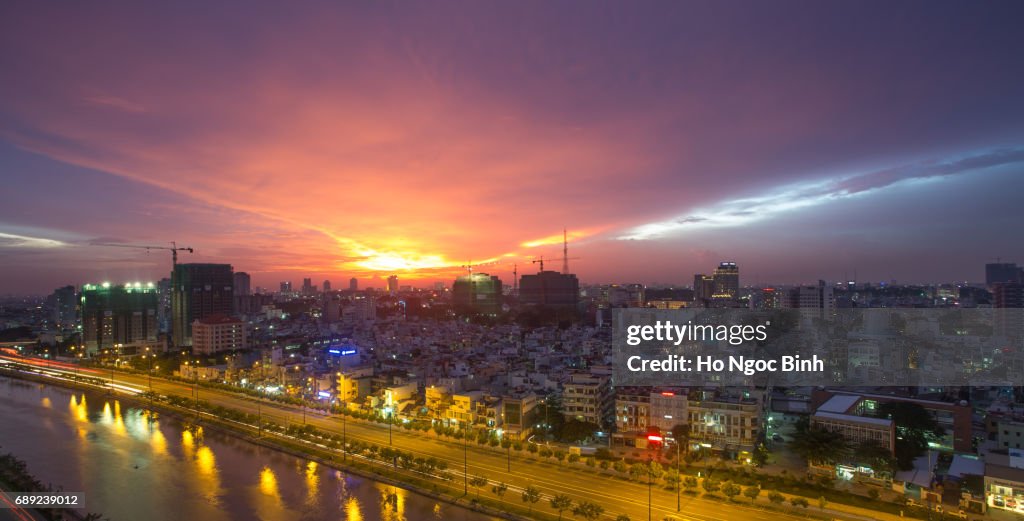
(477, 293)
(286, 287)
(327, 286)
(819, 297)
(727, 280)
(353, 284)
(242, 282)
(199, 291)
(703, 287)
(997, 272)
(307, 287)
(549, 288)
(331, 311)
(1008, 301)
(64, 303)
(117, 316)
(393, 284)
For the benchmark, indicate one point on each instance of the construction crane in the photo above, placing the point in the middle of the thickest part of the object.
(174, 249)
(540, 260)
(469, 266)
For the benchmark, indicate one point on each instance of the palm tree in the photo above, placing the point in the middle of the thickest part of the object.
(477, 482)
(531, 495)
(499, 489)
(588, 510)
(561, 503)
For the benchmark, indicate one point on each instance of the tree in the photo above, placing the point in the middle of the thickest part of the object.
(876, 456)
(776, 498)
(575, 430)
(710, 486)
(671, 477)
(622, 517)
(655, 470)
(820, 446)
(798, 502)
(822, 502)
(531, 495)
(477, 482)
(873, 493)
(915, 427)
(636, 470)
(499, 490)
(588, 510)
(620, 466)
(690, 483)
(681, 433)
(561, 503)
(752, 492)
(731, 490)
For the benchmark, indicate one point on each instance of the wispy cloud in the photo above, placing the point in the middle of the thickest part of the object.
(748, 210)
(10, 240)
(115, 102)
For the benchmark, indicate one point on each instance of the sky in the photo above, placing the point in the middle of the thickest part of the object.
(802, 140)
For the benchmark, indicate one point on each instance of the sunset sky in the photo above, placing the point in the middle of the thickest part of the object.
(803, 140)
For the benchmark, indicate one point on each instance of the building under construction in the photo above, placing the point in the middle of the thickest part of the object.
(549, 288)
(477, 294)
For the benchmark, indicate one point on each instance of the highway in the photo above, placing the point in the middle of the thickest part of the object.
(616, 495)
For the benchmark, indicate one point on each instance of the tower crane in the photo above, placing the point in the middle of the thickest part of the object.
(173, 248)
(470, 266)
(540, 260)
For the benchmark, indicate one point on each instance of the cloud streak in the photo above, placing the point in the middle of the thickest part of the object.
(749, 210)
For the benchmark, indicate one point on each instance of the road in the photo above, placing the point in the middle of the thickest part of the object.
(616, 495)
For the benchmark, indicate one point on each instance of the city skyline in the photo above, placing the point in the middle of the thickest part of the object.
(369, 141)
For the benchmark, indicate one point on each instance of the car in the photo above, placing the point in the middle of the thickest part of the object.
(998, 502)
(778, 437)
(1011, 503)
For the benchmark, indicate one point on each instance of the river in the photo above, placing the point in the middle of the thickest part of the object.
(131, 467)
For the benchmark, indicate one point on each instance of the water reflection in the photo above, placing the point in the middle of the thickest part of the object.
(133, 466)
(312, 483)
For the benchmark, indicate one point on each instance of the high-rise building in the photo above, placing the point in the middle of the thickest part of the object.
(286, 287)
(307, 287)
(121, 315)
(218, 333)
(242, 284)
(477, 293)
(703, 288)
(549, 288)
(727, 280)
(64, 303)
(199, 291)
(327, 286)
(393, 284)
(163, 312)
(997, 272)
(353, 284)
(1008, 299)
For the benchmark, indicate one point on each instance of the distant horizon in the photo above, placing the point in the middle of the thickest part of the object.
(380, 282)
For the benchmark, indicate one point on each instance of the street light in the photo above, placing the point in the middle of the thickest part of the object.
(679, 479)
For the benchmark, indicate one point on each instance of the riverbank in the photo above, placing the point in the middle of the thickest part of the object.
(391, 464)
(16, 477)
(440, 489)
